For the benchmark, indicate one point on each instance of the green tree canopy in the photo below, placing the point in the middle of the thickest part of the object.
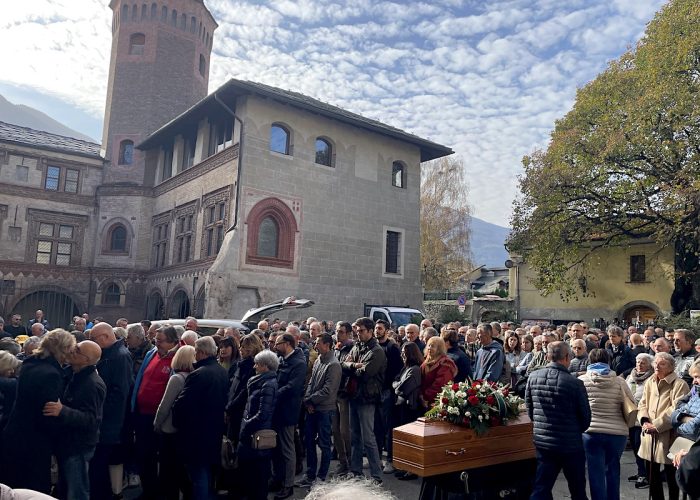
(623, 164)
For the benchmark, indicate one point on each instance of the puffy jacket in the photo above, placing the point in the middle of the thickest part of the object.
(198, 412)
(605, 396)
(558, 407)
(81, 414)
(115, 368)
(689, 406)
(291, 375)
(435, 376)
(622, 360)
(369, 378)
(489, 362)
(683, 363)
(238, 395)
(259, 410)
(163, 421)
(579, 364)
(463, 363)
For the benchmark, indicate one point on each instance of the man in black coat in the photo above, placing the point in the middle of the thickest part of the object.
(115, 369)
(78, 413)
(557, 404)
(198, 415)
(382, 415)
(290, 382)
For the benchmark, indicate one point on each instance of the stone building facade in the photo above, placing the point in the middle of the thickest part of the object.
(207, 205)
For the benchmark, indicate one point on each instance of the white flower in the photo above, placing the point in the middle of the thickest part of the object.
(461, 394)
(467, 414)
(478, 386)
(453, 410)
(481, 418)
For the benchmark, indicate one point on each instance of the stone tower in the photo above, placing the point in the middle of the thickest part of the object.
(159, 67)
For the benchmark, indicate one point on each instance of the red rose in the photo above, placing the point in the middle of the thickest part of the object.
(455, 387)
(490, 400)
(471, 392)
(445, 401)
(465, 421)
(475, 383)
(443, 413)
(473, 400)
(505, 393)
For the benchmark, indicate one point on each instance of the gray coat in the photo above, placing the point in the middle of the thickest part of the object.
(322, 391)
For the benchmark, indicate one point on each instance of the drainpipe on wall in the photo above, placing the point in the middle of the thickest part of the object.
(240, 159)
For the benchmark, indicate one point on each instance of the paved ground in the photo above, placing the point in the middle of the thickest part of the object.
(406, 490)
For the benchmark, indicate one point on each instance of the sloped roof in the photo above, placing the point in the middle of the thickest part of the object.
(429, 150)
(45, 140)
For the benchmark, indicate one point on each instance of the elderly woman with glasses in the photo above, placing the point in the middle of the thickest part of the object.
(661, 395)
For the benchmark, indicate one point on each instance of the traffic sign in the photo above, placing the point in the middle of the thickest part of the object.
(462, 300)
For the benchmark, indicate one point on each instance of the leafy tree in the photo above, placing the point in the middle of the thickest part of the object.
(623, 164)
(444, 223)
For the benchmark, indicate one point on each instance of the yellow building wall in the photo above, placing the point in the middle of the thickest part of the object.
(611, 292)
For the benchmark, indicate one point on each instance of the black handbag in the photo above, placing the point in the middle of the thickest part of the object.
(264, 439)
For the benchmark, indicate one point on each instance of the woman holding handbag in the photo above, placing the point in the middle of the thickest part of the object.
(605, 439)
(254, 461)
(407, 387)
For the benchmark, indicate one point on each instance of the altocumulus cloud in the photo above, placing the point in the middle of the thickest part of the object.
(486, 78)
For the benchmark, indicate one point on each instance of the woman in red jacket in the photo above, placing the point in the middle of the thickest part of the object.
(436, 371)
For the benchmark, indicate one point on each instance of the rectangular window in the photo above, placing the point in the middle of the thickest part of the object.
(393, 253)
(190, 145)
(55, 244)
(167, 162)
(53, 174)
(215, 217)
(71, 183)
(220, 136)
(638, 268)
(22, 173)
(160, 244)
(184, 233)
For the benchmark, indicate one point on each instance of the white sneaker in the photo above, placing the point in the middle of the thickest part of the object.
(389, 468)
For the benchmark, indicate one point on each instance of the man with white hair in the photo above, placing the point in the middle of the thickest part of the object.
(191, 324)
(37, 330)
(197, 414)
(189, 338)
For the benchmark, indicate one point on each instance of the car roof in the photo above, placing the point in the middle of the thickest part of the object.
(204, 323)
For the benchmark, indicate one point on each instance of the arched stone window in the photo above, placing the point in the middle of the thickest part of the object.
(164, 14)
(183, 22)
(324, 152)
(173, 18)
(134, 12)
(111, 295)
(271, 234)
(144, 12)
(193, 24)
(268, 238)
(125, 13)
(280, 139)
(116, 239)
(126, 152)
(137, 43)
(154, 11)
(202, 64)
(398, 174)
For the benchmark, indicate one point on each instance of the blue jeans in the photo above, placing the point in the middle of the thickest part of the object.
(73, 476)
(200, 478)
(318, 423)
(603, 452)
(363, 440)
(550, 463)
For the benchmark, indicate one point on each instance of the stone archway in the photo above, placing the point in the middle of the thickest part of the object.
(59, 307)
(154, 306)
(639, 311)
(179, 305)
(199, 303)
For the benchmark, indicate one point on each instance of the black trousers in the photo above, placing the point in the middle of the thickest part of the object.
(656, 485)
(146, 443)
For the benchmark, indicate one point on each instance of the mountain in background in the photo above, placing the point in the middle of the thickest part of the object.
(487, 242)
(25, 116)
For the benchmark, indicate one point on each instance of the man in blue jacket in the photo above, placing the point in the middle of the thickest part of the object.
(291, 375)
(490, 358)
(557, 404)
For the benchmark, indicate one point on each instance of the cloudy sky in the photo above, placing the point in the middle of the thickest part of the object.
(485, 77)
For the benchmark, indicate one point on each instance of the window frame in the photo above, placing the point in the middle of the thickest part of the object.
(160, 241)
(124, 146)
(400, 252)
(638, 271)
(111, 227)
(106, 293)
(402, 167)
(55, 240)
(62, 179)
(330, 152)
(288, 148)
(288, 228)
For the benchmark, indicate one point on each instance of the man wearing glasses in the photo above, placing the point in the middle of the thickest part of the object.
(366, 365)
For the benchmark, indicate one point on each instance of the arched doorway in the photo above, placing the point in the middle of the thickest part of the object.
(180, 305)
(640, 314)
(59, 308)
(154, 306)
(199, 302)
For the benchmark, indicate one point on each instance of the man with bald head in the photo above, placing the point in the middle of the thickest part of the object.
(115, 368)
(37, 330)
(79, 413)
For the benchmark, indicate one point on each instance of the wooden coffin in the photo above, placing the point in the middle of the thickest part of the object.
(429, 448)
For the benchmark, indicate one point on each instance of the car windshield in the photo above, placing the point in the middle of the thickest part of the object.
(404, 318)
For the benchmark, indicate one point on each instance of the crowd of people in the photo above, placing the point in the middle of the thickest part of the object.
(98, 408)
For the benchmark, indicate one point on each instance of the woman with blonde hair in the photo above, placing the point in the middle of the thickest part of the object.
(172, 476)
(8, 386)
(40, 381)
(436, 371)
